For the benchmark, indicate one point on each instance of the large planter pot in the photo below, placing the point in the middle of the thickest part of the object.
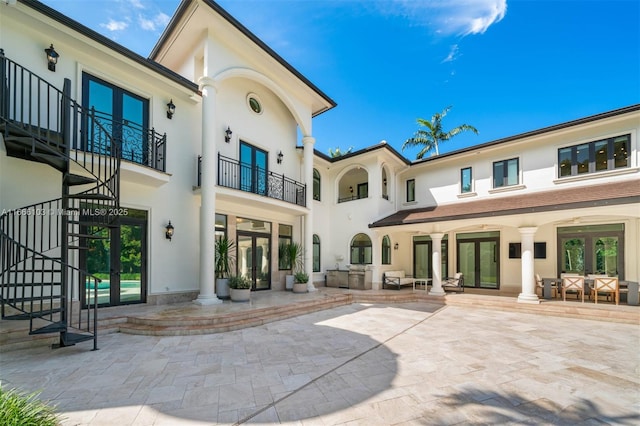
(300, 287)
(288, 282)
(240, 294)
(222, 288)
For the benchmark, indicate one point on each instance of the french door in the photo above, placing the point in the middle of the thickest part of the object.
(253, 169)
(254, 259)
(122, 114)
(118, 257)
(595, 249)
(479, 259)
(423, 257)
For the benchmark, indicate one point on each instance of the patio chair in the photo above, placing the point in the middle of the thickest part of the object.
(607, 285)
(573, 284)
(540, 286)
(455, 283)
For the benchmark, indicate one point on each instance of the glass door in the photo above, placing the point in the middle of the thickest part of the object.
(118, 257)
(253, 169)
(423, 257)
(254, 259)
(592, 249)
(479, 259)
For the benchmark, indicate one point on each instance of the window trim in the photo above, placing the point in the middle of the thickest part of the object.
(592, 170)
(316, 242)
(470, 190)
(362, 253)
(505, 176)
(413, 193)
(317, 178)
(386, 248)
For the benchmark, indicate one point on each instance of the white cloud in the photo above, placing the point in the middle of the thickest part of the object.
(461, 17)
(158, 21)
(453, 54)
(136, 4)
(113, 25)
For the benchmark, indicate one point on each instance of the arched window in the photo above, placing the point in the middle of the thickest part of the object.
(361, 250)
(316, 253)
(316, 185)
(386, 250)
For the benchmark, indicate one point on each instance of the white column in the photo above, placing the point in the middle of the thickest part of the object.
(208, 166)
(436, 247)
(528, 294)
(308, 143)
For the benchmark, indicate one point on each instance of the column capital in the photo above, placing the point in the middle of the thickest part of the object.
(437, 235)
(308, 140)
(206, 81)
(527, 230)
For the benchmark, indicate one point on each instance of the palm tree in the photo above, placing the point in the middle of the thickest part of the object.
(338, 153)
(433, 135)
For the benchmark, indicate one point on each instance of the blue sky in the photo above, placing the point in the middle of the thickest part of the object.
(506, 67)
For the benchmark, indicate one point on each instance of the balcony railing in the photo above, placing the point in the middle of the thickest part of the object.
(256, 180)
(138, 144)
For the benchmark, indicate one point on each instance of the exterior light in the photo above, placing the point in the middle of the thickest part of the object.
(280, 155)
(52, 58)
(171, 109)
(169, 231)
(395, 246)
(351, 189)
(227, 134)
(384, 181)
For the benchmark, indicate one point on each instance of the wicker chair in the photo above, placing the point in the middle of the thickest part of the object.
(455, 283)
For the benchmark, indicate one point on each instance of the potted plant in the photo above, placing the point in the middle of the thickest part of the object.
(300, 280)
(293, 254)
(240, 288)
(225, 262)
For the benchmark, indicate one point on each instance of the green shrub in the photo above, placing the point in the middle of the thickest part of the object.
(239, 282)
(19, 409)
(301, 277)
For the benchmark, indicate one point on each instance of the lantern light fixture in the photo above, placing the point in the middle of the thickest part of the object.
(171, 109)
(280, 156)
(52, 58)
(169, 231)
(227, 134)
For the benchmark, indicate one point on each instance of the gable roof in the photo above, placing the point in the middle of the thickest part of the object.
(180, 14)
(625, 192)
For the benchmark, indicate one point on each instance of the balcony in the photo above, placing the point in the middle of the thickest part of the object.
(256, 180)
(138, 144)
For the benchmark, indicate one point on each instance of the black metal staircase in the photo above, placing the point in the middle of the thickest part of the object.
(40, 277)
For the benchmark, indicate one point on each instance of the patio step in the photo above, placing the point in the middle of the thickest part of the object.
(228, 321)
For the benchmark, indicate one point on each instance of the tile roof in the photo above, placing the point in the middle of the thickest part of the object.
(622, 192)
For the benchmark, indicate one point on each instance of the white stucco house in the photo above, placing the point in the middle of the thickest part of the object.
(103, 149)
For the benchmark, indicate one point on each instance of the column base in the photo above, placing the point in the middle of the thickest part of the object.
(311, 287)
(528, 298)
(436, 292)
(207, 300)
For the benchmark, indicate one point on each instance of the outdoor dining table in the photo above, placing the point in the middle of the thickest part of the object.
(631, 287)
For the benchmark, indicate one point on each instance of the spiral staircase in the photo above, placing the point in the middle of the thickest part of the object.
(41, 244)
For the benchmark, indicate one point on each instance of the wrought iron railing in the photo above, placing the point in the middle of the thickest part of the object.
(257, 180)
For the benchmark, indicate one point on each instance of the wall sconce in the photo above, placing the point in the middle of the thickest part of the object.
(171, 109)
(395, 246)
(280, 155)
(52, 58)
(351, 189)
(384, 181)
(227, 134)
(169, 231)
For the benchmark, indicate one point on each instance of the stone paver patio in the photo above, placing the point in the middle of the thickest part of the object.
(361, 364)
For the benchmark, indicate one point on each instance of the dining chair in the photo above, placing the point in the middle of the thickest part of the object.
(572, 284)
(540, 286)
(605, 285)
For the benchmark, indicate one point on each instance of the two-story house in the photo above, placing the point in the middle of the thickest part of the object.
(119, 172)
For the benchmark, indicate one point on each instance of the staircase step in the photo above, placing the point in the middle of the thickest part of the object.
(90, 197)
(55, 161)
(73, 179)
(90, 236)
(70, 339)
(55, 327)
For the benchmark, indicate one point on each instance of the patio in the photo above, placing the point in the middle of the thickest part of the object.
(417, 362)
